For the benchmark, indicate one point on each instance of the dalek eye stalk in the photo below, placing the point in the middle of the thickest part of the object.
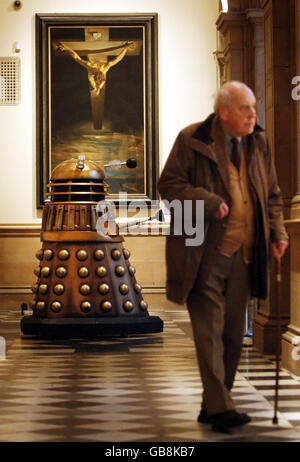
(86, 285)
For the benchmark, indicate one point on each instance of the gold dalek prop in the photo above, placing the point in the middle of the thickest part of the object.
(86, 286)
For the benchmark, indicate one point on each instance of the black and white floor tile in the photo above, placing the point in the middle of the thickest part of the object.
(138, 389)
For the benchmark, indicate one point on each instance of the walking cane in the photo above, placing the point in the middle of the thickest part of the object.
(278, 346)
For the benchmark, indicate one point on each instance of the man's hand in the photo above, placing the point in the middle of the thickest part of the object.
(223, 211)
(278, 248)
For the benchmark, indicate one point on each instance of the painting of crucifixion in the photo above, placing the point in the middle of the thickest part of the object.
(95, 127)
(96, 86)
(97, 65)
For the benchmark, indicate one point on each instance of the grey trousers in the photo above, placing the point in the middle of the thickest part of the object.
(217, 312)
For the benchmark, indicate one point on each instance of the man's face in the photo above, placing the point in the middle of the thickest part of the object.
(239, 117)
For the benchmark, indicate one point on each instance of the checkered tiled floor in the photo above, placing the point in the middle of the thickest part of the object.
(137, 389)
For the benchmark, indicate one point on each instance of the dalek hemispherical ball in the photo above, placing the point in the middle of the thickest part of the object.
(86, 285)
(124, 289)
(137, 287)
(45, 271)
(32, 305)
(99, 254)
(126, 253)
(61, 272)
(85, 289)
(56, 306)
(40, 305)
(83, 272)
(128, 305)
(86, 306)
(43, 289)
(63, 254)
(115, 254)
(101, 271)
(143, 305)
(106, 306)
(48, 254)
(37, 271)
(131, 270)
(120, 270)
(59, 289)
(103, 289)
(39, 254)
(81, 255)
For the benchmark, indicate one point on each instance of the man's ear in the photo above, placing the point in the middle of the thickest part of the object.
(223, 112)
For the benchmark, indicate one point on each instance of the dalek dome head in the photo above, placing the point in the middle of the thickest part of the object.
(77, 180)
(77, 168)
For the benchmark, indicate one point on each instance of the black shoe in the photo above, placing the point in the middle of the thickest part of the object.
(226, 420)
(203, 417)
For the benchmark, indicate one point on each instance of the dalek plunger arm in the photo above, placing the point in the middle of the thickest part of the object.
(114, 164)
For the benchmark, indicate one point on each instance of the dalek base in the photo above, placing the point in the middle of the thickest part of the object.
(90, 327)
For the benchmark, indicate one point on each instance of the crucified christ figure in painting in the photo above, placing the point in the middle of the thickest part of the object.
(96, 70)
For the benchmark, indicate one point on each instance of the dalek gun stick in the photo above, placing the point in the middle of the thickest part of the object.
(86, 285)
(115, 164)
(159, 216)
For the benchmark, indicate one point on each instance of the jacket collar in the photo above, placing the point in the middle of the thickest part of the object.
(207, 132)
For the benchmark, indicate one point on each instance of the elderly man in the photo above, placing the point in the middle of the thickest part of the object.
(226, 162)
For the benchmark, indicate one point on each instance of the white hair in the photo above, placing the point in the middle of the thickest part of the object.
(223, 94)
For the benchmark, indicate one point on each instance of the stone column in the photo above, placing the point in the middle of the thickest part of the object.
(291, 338)
(256, 46)
(240, 53)
(279, 32)
(256, 62)
(232, 52)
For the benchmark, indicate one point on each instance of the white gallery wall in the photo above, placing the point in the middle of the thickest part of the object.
(186, 82)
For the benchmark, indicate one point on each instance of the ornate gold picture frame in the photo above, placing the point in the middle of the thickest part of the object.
(97, 96)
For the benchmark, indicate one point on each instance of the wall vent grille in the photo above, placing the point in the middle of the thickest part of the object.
(10, 87)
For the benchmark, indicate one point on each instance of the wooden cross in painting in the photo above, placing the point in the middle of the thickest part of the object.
(97, 48)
